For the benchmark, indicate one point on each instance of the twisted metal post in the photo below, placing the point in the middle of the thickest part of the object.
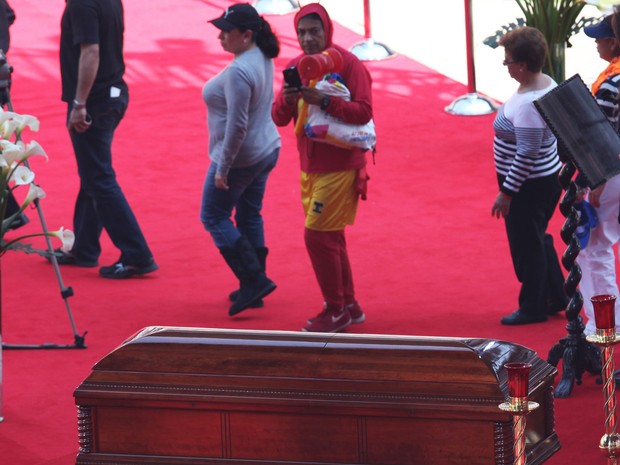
(577, 353)
(606, 338)
(519, 435)
(610, 442)
(609, 389)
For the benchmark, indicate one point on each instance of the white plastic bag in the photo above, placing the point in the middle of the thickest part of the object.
(322, 127)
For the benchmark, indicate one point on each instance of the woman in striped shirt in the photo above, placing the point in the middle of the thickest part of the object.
(527, 165)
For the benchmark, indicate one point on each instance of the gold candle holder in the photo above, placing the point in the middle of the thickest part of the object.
(606, 337)
(518, 405)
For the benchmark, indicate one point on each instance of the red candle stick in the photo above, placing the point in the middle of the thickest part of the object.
(518, 378)
(604, 311)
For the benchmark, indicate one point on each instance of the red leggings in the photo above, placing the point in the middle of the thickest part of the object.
(330, 261)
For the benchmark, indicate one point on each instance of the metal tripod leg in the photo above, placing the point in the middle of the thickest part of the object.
(65, 292)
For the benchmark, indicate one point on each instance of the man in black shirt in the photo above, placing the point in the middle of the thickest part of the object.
(92, 68)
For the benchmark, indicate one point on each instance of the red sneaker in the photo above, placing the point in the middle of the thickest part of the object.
(330, 320)
(357, 315)
(354, 309)
(320, 315)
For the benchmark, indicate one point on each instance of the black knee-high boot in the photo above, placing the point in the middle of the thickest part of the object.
(261, 254)
(253, 283)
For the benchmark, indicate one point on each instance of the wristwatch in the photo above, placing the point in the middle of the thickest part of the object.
(77, 105)
(325, 102)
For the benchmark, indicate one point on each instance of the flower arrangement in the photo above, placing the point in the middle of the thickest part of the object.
(557, 20)
(16, 172)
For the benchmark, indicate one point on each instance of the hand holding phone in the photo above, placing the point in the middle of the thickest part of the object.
(291, 77)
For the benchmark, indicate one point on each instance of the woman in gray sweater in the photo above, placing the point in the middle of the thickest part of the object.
(244, 145)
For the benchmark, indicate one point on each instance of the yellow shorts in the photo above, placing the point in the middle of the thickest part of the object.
(329, 199)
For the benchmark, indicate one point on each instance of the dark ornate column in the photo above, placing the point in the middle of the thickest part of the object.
(577, 354)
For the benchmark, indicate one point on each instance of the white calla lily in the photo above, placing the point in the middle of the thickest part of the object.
(66, 236)
(28, 121)
(34, 148)
(7, 144)
(7, 115)
(22, 175)
(12, 153)
(8, 127)
(17, 153)
(17, 124)
(34, 192)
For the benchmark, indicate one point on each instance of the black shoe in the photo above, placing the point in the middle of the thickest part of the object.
(67, 258)
(521, 318)
(120, 270)
(19, 221)
(234, 295)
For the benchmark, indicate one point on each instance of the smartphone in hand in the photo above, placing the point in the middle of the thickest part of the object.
(291, 77)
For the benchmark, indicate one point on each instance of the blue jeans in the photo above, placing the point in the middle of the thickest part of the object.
(101, 203)
(245, 195)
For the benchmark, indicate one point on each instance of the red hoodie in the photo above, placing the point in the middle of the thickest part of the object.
(318, 157)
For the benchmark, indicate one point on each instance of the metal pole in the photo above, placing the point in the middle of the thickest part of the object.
(367, 19)
(471, 104)
(469, 43)
(368, 49)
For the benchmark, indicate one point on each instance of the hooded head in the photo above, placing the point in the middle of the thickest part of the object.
(308, 40)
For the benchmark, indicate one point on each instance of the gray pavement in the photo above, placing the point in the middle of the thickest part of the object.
(433, 33)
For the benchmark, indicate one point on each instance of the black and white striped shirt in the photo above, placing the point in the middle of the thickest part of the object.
(524, 147)
(607, 98)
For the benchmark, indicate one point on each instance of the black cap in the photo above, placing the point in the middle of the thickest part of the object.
(240, 16)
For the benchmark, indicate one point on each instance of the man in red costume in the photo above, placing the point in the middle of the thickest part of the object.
(332, 178)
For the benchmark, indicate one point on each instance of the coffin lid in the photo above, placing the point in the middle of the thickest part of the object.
(158, 356)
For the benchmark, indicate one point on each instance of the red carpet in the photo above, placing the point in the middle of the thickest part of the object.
(427, 256)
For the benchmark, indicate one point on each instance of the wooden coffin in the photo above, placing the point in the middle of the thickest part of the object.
(208, 396)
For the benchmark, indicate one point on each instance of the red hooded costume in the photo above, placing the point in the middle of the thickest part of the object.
(317, 157)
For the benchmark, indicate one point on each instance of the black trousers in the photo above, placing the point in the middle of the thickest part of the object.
(533, 254)
(101, 203)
